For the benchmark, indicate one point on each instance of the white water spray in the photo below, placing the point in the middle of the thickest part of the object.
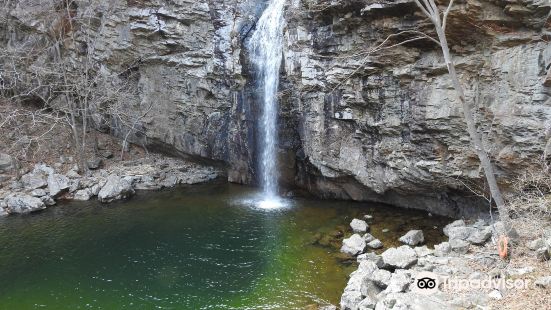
(266, 53)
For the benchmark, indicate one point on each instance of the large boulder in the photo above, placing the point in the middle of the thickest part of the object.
(359, 226)
(354, 245)
(413, 237)
(34, 180)
(58, 184)
(402, 257)
(116, 188)
(22, 203)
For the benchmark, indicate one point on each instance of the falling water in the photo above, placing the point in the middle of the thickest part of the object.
(266, 52)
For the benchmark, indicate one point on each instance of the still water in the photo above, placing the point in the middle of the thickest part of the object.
(196, 247)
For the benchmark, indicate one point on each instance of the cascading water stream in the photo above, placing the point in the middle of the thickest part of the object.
(266, 52)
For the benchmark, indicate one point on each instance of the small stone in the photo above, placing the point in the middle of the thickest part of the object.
(495, 294)
(359, 226)
(385, 230)
(543, 254)
(375, 244)
(367, 303)
(368, 237)
(48, 200)
(413, 237)
(480, 237)
(368, 217)
(544, 282)
(354, 245)
(94, 163)
(536, 244)
(442, 249)
(459, 246)
(401, 257)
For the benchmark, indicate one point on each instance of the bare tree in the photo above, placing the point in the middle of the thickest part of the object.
(431, 10)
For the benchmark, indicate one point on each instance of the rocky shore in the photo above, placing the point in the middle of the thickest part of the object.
(42, 186)
(391, 280)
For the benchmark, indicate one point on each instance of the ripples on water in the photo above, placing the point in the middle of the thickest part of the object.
(200, 247)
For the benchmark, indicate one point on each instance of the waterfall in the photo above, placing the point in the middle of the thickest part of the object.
(265, 48)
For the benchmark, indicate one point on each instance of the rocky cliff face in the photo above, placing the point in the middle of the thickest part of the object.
(355, 125)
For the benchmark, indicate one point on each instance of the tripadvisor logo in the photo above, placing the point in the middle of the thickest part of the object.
(426, 283)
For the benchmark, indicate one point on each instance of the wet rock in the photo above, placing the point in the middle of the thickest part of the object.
(21, 203)
(401, 257)
(413, 237)
(358, 226)
(375, 244)
(115, 188)
(58, 184)
(354, 245)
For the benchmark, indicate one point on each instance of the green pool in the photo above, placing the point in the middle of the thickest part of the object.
(197, 247)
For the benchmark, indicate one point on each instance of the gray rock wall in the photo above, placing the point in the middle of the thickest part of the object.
(383, 126)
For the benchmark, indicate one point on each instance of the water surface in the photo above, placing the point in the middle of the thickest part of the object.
(196, 247)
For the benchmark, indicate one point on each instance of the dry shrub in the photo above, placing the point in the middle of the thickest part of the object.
(530, 207)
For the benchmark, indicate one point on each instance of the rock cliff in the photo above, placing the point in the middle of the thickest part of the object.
(354, 124)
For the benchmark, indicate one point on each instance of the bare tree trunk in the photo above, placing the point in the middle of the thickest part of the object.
(430, 9)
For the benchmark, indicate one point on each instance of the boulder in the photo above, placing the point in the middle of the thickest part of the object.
(375, 244)
(401, 257)
(461, 232)
(354, 245)
(413, 237)
(380, 277)
(359, 226)
(48, 200)
(459, 246)
(480, 236)
(33, 180)
(22, 203)
(442, 249)
(371, 257)
(399, 282)
(83, 194)
(116, 188)
(58, 184)
(458, 223)
(5, 162)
